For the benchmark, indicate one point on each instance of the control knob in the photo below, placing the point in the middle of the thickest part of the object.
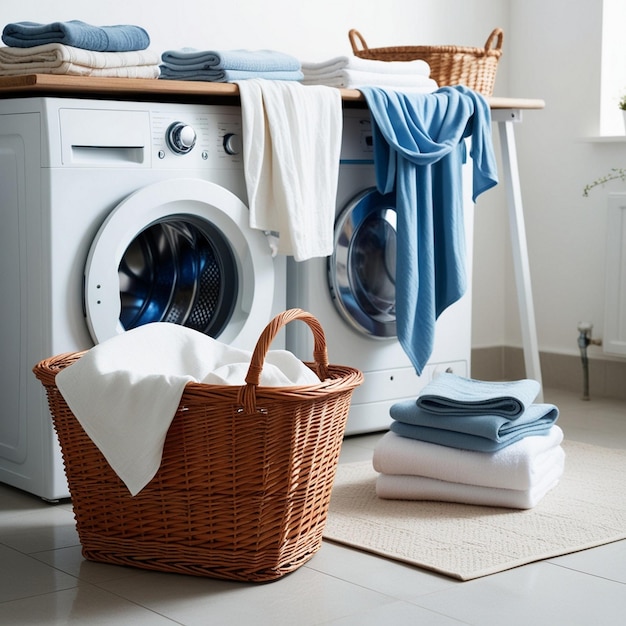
(181, 138)
(232, 143)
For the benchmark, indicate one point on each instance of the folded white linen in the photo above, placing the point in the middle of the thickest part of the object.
(291, 147)
(56, 58)
(396, 487)
(126, 390)
(417, 66)
(351, 79)
(521, 465)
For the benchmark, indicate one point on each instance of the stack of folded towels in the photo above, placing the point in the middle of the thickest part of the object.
(352, 72)
(77, 48)
(473, 442)
(225, 66)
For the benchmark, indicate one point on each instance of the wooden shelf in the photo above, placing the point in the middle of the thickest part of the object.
(151, 89)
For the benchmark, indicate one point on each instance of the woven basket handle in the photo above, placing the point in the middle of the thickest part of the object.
(498, 34)
(320, 354)
(353, 36)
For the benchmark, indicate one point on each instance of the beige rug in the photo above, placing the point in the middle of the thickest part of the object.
(586, 509)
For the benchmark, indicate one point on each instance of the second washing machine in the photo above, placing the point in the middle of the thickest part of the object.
(115, 214)
(352, 293)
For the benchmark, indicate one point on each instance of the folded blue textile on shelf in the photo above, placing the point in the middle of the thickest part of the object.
(450, 394)
(118, 38)
(419, 151)
(500, 432)
(228, 76)
(187, 59)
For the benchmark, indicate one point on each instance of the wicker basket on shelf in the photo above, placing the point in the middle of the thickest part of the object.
(244, 485)
(449, 65)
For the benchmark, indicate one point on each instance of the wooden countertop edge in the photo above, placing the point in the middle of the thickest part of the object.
(140, 88)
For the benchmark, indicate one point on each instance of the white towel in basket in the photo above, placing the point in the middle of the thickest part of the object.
(125, 391)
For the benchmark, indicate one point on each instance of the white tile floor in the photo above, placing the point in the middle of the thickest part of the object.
(44, 580)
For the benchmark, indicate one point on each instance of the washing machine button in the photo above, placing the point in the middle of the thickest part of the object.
(232, 143)
(181, 138)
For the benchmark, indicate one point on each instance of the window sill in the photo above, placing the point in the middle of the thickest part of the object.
(605, 139)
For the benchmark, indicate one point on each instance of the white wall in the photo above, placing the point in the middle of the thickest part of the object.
(551, 52)
(309, 29)
(556, 56)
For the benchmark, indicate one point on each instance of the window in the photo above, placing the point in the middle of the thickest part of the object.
(613, 79)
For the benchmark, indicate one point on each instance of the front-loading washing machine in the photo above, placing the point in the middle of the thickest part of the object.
(352, 292)
(116, 214)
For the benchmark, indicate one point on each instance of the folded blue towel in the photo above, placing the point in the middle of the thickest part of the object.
(479, 424)
(490, 433)
(449, 394)
(228, 76)
(121, 38)
(241, 60)
(419, 150)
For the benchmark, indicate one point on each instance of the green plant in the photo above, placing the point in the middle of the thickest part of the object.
(616, 173)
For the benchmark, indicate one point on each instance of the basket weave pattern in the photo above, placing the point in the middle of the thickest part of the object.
(244, 485)
(449, 65)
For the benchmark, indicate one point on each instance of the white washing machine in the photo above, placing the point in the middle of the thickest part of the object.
(115, 214)
(352, 293)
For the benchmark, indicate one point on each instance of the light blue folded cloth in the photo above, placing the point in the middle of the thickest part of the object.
(187, 59)
(486, 433)
(487, 425)
(419, 151)
(228, 76)
(470, 414)
(450, 394)
(119, 38)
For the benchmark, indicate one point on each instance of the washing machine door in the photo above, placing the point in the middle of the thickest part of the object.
(180, 251)
(362, 267)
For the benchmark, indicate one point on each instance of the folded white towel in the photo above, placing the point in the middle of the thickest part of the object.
(352, 79)
(352, 62)
(125, 391)
(395, 487)
(56, 58)
(291, 147)
(518, 466)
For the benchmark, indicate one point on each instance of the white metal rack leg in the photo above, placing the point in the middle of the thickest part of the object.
(505, 118)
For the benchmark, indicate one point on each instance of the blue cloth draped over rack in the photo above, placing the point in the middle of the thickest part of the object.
(419, 150)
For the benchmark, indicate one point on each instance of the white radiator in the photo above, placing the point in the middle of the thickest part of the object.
(614, 340)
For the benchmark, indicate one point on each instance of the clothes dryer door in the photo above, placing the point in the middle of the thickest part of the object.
(180, 251)
(362, 268)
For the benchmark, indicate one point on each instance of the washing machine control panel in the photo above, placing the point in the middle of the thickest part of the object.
(196, 138)
(357, 143)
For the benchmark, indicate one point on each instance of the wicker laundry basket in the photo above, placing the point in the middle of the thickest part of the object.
(244, 485)
(449, 65)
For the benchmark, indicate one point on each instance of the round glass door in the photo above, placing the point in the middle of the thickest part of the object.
(362, 268)
(180, 251)
(180, 270)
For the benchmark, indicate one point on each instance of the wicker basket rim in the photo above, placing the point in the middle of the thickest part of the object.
(497, 36)
(333, 378)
